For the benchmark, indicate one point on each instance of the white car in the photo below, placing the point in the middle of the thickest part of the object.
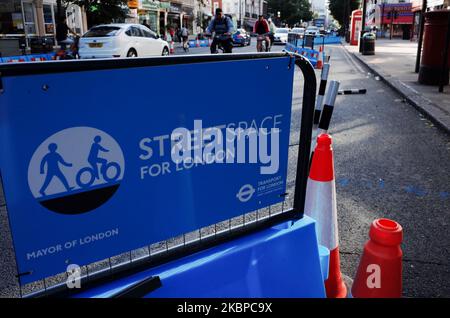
(312, 30)
(300, 31)
(121, 40)
(281, 35)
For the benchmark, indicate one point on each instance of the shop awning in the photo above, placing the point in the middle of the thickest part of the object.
(403, 10)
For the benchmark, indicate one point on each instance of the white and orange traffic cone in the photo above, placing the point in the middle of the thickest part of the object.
(319, 64)
(171, 47)
(321, 205)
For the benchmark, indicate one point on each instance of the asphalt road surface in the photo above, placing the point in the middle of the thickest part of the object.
(389, 161)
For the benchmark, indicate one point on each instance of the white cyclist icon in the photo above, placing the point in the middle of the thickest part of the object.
(93, 171)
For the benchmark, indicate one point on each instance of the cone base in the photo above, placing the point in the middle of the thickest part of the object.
(334, 285)
(336, 289)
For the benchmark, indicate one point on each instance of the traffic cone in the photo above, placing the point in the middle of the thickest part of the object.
(319, 64)
(321, 205)
(379, 272)
(197, 43)
(171, 47)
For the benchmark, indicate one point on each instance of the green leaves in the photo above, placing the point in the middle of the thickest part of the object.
(342, 9)
(291, 11)
(102, 11)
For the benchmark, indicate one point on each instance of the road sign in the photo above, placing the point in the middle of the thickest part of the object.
(130, 160)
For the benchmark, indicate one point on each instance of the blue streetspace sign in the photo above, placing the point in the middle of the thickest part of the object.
(95, 163)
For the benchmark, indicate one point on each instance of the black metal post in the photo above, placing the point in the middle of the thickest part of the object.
(382, 17)
(391, 27)
(363, 24)
(419, 45)
(445, 59)
(309, 103)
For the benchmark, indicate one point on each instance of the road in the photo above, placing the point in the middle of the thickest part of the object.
(389, 162)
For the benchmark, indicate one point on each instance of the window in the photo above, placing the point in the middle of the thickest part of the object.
(102, 31)
(134, 31)
(48, 19)
(28, 13)
(148, 33)
(11, 19)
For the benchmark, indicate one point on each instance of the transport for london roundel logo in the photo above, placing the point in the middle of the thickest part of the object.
(76, 170)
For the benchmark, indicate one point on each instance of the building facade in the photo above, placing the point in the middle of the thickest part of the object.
(27, 19)
(163, 15)
(33, 22)
(244, 13)
(417, 12)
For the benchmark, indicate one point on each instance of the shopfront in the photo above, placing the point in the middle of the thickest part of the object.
(174, 16)
(148, 10)
(188, 17)
(397, 20)
(26, 22)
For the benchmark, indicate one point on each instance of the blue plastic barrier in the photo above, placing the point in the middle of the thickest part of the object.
(270, 263)
(15, 59)
(202, 43)
(310, 54)
(28, 58)
(327, 40)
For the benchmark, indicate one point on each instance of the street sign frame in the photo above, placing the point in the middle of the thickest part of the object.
(309, 91)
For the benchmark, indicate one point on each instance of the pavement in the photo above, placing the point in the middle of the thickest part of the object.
(394, 62)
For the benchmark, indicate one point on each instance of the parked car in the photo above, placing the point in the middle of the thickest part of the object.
(241, 37)
(121, 40)
(312, 30)
(300, 31)
(281, 36)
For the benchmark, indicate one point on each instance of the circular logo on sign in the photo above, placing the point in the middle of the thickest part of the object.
(76, 170)
(245, 193)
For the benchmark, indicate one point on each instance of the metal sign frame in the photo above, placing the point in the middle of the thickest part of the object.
(296, 212)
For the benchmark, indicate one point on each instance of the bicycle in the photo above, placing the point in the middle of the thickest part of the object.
(224, 43)
(103, 171)
(263, 43)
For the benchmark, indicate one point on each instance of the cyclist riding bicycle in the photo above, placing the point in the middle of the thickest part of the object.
(222, 26)
(262, 29)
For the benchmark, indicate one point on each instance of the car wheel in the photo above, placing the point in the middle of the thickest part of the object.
(132, 53)
(165, 51)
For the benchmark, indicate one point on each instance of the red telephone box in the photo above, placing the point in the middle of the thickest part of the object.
(356, 25)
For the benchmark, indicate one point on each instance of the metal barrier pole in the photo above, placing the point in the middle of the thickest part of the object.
(422, 24)
(304, 150)
(328, 107)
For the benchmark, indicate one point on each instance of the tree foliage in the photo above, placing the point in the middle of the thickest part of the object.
(102, 11)
(291, 11)
(342, 9)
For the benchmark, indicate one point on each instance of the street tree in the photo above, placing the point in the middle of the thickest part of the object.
(98, 11)
(342, 9)
(291, 11)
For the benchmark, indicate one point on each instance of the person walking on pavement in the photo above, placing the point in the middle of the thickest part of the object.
(272, 29)
(222, 26)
